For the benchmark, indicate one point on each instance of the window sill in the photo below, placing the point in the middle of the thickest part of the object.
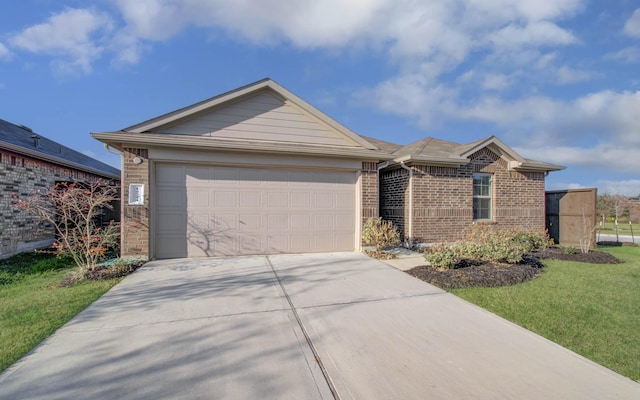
(484, 222)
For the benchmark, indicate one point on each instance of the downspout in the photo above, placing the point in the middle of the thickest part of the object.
(116, 152)
(410, 239)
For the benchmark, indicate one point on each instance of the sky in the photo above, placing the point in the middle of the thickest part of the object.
(556, 80)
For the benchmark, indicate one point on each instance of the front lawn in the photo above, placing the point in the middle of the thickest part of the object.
(592, 309)
(32, 303)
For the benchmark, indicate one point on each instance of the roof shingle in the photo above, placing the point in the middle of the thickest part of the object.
(23, 140)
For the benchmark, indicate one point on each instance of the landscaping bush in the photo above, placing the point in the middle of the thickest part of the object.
(443, 256)
(487, 244)
(380, 233)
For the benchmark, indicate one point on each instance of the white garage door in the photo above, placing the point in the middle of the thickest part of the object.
(212, 211)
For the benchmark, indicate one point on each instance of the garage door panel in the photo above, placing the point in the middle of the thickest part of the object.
(198, 176)
(170, 175)
(199, 198)
(300, 200)
(343, 222)
(300, 243)
(248, 242)
(344, 201)
(223, 221)
(300, 222)
(277, 200)
(249, 199)
(323, 200)
(207, 211)
(225, 198)
(172, 198)
(249, 222)
(175, 246)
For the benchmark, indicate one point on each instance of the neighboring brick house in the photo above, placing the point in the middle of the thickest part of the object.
(434, 190)
(30, 162)
(258, 170)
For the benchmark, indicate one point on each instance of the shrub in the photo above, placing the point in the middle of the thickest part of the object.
(443, 256)
(74, 211)
(485, 243)
(380, 233)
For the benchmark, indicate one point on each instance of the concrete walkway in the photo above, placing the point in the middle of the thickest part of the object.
(317, 326)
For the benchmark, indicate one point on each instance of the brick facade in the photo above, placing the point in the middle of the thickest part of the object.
(135, 218)
(443, 198)
(22, 177)
(369, 177)
(394, 197)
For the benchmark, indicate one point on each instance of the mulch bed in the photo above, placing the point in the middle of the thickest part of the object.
(470, 273)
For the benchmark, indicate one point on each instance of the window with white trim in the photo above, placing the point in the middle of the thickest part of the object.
(482, 190)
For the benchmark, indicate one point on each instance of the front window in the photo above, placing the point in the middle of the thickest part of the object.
(482, 196)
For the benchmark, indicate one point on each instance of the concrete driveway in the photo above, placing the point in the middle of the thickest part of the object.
(312, 326)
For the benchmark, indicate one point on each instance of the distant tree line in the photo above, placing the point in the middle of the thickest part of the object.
(613, 207)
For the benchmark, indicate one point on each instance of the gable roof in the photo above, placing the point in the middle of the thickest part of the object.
(22, 140)
(172, 129)
(434, 151)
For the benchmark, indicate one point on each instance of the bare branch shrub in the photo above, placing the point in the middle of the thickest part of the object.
(587, 230)
(74, 210)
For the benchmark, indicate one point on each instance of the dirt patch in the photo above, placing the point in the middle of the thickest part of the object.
(107, 271)
(470, 273)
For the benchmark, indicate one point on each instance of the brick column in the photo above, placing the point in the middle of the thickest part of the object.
(369, 176)
(135, 218)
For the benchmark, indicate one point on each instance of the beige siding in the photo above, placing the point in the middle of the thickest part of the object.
(263, 117)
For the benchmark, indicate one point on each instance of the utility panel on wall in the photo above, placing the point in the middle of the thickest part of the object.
(136, 194)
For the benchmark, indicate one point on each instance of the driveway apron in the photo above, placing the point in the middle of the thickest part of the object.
(309, 326)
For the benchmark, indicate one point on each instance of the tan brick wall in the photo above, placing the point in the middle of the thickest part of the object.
(135, 218)
(20, 178)
(369, 181)
(394, 198)
(443, 198)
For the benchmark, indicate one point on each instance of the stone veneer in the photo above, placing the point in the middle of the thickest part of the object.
(22, 177)
(443, 198)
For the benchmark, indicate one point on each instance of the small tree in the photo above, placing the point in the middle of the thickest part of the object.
(587, 229)
(74, 210)
(612, 206)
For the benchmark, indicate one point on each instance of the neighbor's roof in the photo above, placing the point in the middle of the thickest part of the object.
(21, 139)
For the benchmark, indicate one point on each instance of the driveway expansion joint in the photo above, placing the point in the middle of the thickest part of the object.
(316, 355)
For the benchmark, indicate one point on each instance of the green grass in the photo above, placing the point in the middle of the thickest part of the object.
(592, 309)
(623, 228)
(33, 306)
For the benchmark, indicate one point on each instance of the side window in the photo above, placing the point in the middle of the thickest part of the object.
(482, 193)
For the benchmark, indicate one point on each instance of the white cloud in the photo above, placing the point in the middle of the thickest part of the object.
(629, 54)
(70, 34)
(541, 33)
(418, 36)
(4, 52)
(610, 156)
(626, 187)
(567, 75)
(632, 26)
(496, 82)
